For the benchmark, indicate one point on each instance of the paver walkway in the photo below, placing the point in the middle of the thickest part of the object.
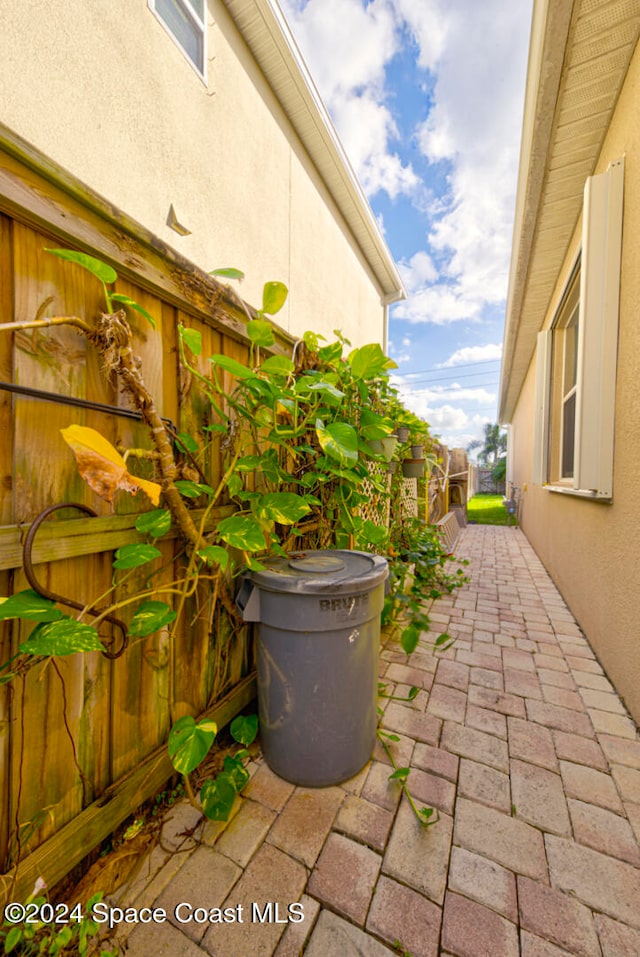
(519, 740)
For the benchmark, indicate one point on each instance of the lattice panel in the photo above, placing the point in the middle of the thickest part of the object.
(377, 506)
(407, 502)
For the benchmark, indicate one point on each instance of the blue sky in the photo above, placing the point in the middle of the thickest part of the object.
(427, 98)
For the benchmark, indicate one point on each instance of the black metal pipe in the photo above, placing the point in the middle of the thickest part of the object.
(78, 403)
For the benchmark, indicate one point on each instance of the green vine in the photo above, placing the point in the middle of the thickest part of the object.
(299, 434)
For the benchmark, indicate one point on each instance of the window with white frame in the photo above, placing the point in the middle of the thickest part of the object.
(184, 21)
(577, 355)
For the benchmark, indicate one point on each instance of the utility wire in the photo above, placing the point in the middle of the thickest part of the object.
(460, 365)
(449, 378)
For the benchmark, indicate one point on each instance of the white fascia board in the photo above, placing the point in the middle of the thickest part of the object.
(549, 32)
(265, 31)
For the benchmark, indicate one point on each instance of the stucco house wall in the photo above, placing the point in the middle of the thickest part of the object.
(105, 92)
(591, 548)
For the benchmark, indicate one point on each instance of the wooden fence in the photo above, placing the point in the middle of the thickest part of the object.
(82, 743)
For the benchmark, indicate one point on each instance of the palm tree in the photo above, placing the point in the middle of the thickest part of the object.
(493, 447)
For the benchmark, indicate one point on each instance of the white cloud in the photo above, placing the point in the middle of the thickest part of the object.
(347, 47)
(446, 418)
(470, 354)
(419, 270)
(473, 125)
(452, 411)
(439, 304)
(473, 58)
(429, 397)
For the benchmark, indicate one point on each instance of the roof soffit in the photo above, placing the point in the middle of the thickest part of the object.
(579, 56)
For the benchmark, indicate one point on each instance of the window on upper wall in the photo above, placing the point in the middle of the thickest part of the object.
(577, 355)
(184, 20)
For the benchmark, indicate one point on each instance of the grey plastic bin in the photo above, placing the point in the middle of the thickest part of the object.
(317, 650)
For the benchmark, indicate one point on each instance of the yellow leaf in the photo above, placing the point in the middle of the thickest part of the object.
(102, 467)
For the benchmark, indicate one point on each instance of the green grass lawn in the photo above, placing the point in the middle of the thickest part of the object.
(488, 510)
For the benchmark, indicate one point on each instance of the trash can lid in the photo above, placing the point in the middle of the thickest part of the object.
(321, 572)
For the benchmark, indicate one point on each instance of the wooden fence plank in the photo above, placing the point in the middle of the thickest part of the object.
(53, 360)
(5, 733)
(118, 712)
(54, 859)
(140, 696)
(60, 720)
(6, 371)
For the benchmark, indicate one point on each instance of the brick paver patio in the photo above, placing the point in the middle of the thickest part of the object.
(519, 740)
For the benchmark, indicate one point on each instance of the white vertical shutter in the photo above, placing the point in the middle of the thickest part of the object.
(541, 422)
(510, 454)
(598, 330)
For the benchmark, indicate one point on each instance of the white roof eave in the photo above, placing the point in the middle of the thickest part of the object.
(266, 33)
(573, 44)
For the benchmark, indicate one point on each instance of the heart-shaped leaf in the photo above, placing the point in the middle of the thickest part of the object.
(283, 507)
(232, 366)
(260, 331)
(102, 467)
(191, 338)
(277, 366)
(30, 605)
(134, 555)
(274, 296)
(100, 270)
(217, 796)
(339, 440)
(154, 523)
(214, 555)
(242, 531)
(244, 728)
(150, 616)
(189, 743)
(63, 637)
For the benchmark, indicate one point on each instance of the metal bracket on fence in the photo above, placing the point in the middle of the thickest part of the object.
(60, 599)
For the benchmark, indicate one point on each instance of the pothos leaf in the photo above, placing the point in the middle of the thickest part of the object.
(274, 295)
(236, 770)
(135, 555)
(242, 531)
(339, 441)
(63, 637)
(244, 728)
(132, 304)
(191, 338)
(99, 269)
(102, 467)
(283, 507)
(260, 331)
(189, 743)
(154, 523)
(214, 555)
(233, 366)
(30, 605)
(228, 272)
(192, 489)
(150, 616)
(217, 796)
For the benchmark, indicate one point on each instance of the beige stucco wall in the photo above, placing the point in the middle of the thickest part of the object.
(101, 89)
(592, 550)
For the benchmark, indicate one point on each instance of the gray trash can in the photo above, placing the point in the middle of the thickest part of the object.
(317, 650)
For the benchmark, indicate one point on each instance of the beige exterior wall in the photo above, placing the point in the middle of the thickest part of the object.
(103, 91)
(590, 549)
